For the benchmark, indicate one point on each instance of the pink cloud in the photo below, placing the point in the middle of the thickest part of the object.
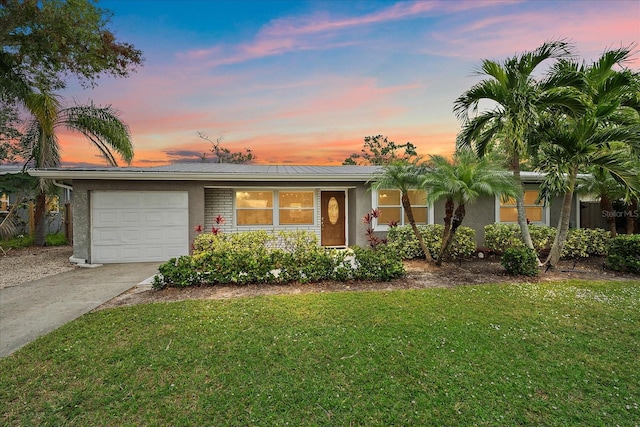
(506, 34)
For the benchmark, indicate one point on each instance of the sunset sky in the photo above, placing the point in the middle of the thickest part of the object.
(303, 82)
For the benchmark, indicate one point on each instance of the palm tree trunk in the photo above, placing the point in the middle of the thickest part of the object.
(632, 217)
(40, 220)
(458, 216)
(606, 206)
(563, 224)
(406, 204)
(449, 207)
(522, 213)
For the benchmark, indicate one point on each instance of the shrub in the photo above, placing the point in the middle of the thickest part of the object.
(178, 272)
(262, 257)
(624, 253)
(16, 242)
(499, 237)
(57, 239)
(542, 236)
(583, 242)
(520, 262)
(403, 241)
(381, 264)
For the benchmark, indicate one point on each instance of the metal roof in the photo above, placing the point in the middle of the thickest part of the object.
(215, 172)
(228, 172)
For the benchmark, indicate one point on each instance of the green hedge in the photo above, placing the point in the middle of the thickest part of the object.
(624, 253)
(584, 242)
(500, 237)
(520, 262)
(581, 242)
(279, 257)
(402, 240)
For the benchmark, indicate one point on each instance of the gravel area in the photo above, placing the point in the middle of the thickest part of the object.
(27, 264)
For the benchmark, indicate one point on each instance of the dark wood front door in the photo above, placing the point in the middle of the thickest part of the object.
(333, 218)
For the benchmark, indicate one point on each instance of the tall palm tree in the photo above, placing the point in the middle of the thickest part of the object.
(602, 136)
(100, 125)
(517, 98)
(462, 181)
(403, 176)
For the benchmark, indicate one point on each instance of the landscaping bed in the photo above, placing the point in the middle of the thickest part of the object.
(420, 275)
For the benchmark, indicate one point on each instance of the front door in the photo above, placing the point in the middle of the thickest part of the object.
(333, 218)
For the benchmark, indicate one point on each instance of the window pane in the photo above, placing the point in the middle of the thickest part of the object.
(417, 197)
(254, 199)
(389, 198)
(296, 199)
(389, 214)
(508, 215)
(4, 202)
(255, 216)
(534, 214)
(510, 202)
(530, 197)
(296, 216)
(419, 215)
(53, 204)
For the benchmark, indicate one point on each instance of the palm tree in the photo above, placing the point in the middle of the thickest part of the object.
(403, 176)
(100, 125)
(602, 136)
(600, 183)
(462, 181)
(518, 99)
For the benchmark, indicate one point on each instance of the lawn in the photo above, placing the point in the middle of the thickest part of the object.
(531, 354)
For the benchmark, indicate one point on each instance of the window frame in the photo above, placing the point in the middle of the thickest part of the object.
(546, 212)
(385, 227)
(275, 208)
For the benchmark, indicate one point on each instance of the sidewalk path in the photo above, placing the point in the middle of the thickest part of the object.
(33, 309)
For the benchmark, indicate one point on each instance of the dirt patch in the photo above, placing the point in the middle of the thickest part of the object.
(420, 275)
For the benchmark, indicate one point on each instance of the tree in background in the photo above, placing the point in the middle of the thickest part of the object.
(45, 41)
(518, 100)
(378, 150)
(224, 155)
(10, 151)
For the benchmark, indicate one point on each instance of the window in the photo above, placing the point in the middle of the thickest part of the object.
(53, 204)
(390, 206)
(254, 207)
(284, 207)
(535, 211)
(4, 202)
(296, 207)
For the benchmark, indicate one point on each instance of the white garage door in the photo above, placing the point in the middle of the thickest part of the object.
(139, 226)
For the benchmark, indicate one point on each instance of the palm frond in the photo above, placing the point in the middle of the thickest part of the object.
(103, 128)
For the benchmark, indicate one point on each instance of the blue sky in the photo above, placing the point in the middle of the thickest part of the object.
(303, 82)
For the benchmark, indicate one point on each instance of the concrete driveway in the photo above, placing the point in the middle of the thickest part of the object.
(33, 309)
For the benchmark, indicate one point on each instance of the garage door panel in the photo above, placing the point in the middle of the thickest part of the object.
(173, 217)
(105, 236)
(105, 218)
(139, 226)
(155, 217)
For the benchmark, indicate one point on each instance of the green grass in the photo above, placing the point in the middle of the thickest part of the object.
(532, 354)
(23, 241)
